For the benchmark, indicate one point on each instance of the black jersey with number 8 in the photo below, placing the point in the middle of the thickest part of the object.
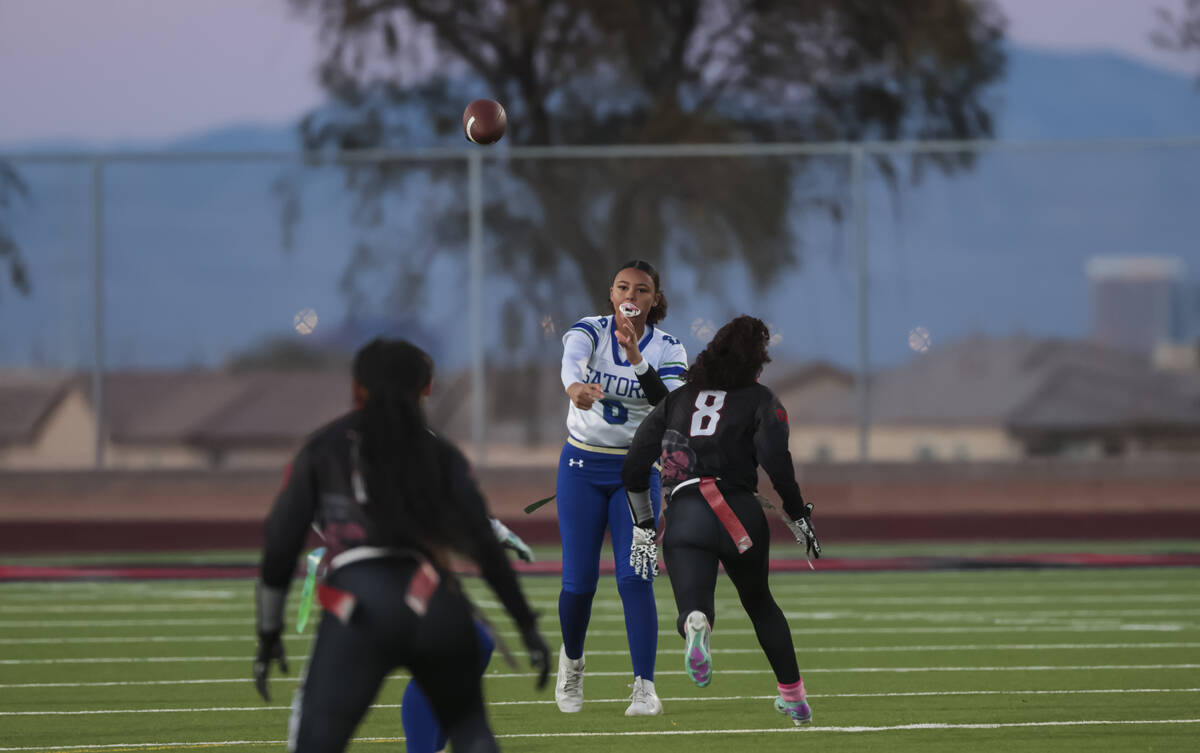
(719, 433)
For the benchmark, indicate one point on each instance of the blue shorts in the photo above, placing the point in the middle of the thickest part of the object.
(591, 500)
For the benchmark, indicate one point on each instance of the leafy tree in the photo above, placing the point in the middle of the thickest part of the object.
(578, 72)
(1182, 32)
(12, 188)
(589, 72)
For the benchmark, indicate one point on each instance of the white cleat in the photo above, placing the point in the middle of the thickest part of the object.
(644, 701)
(568, 691)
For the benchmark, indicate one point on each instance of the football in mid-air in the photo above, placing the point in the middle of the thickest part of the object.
(484, 121)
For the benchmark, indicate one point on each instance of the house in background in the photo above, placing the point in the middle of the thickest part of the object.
(986, 398)
(179, 419)
(45, 422)
(979, 399)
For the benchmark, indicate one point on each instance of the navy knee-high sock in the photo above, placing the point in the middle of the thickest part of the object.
(574, 612)
(641, 624)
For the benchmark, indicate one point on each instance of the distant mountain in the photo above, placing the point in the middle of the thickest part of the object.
(1099, 95)
(195, 271)
(239, 138)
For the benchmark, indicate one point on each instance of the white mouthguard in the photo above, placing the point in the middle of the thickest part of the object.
(628, 310)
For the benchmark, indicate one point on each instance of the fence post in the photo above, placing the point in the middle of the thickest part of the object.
(98, 308)
(858, 199)
(476, 272)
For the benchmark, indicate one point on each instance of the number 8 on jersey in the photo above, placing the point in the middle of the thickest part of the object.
(707, 413)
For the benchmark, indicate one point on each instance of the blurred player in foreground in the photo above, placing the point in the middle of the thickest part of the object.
(615, 367)
(712, 435)
(392, 500)
(422, 732)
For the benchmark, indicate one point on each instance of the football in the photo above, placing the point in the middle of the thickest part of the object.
(484, 121)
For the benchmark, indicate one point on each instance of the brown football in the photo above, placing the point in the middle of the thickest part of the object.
(484, 121)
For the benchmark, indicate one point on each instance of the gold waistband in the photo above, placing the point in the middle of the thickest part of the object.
(596, 448)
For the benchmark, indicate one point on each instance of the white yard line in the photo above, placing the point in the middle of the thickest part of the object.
(215, 606)
(812, 730)
(999, 615)
(663, 651)
(838, 601)
(513, 675)
(231, 605)
(625, 699)
(602, 633)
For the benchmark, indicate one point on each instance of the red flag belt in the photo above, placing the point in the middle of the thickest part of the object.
(708, 487)
(420, 589)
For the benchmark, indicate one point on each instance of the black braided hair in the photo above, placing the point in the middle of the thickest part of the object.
(407, 487)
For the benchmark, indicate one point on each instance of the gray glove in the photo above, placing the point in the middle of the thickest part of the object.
(643, 553)
(805, 535)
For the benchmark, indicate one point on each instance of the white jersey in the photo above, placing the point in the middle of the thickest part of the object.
(611, 422)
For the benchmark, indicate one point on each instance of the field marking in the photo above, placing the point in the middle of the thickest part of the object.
(801, 583)
(661, 652)
(602, 633)
(41, 624)
(517, 675)
(624, 699)
(223, 605)
(731, 603)
(216, 606)
(852, 615)
(809, 730)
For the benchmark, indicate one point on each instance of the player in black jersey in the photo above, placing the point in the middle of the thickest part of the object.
(711, 435)
(392, 501)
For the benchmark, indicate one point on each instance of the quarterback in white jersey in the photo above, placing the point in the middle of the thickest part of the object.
(612, 420)
(615, 368)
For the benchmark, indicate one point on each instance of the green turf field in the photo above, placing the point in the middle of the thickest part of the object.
(997, 660)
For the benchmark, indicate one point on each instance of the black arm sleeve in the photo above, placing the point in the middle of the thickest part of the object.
(652, 386)
(286, 528)
(771, 449)
(486, 550)
(646, 448)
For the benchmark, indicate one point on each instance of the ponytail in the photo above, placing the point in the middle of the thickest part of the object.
(406, 485)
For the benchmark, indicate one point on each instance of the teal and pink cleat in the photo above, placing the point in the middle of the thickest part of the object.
(792, 701)
(799, 711)
(697, 656)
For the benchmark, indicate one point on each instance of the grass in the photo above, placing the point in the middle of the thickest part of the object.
(994, 660)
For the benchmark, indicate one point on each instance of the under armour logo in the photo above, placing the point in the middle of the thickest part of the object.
(572, 462)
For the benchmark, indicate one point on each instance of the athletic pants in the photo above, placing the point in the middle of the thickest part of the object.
(591, 500)
(695, 541)
(349, 662)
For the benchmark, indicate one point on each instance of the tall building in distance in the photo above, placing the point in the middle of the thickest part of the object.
(1140, 303)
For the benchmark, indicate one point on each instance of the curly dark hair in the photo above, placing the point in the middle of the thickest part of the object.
(659, 311)
(734, 357)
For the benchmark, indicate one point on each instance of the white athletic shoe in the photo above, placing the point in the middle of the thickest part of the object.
(568, 691)
(644, 701)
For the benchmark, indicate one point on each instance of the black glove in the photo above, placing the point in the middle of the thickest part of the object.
(539, 654)
(270, 648)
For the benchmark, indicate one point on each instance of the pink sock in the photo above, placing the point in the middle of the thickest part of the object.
(793, 692)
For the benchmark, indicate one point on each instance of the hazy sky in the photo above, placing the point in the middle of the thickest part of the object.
(105, 71)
